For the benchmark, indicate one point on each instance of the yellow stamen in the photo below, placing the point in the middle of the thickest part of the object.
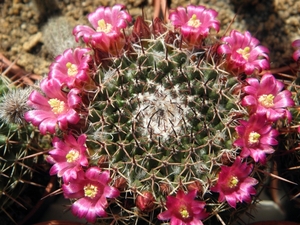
(72, 69)
(72, 156)
(254, 137)
(266, 100)
(103, 26)
(244, 52)
(194, 22)
(233, 182)
(90, 191)
(57, 105)
(183, 212)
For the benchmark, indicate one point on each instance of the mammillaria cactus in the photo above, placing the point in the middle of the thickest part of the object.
(160, 122)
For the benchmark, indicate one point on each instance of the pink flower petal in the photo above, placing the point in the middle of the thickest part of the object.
(234, 184)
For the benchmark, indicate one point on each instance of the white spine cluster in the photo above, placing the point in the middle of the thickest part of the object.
(160, 114)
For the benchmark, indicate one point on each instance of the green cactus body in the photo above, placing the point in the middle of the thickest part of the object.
(164, 116)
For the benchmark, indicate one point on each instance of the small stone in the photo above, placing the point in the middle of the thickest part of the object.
(137, 3)
(33, 40)
(293, 20)
(4, 23)
(29, 15)
(23, 26)
(16, 1)
(135, 12)
(15, 10)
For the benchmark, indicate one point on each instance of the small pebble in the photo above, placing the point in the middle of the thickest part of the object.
(275, 23)
(33, 40)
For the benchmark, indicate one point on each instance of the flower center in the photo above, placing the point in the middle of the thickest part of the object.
(72, 156)
(233, 182)
(266, 100)
(194, 22)
(90, 191)
(184, 212)
(72, 69)
(103, 26)
(244, 52)
(254, 137)
(57, 105)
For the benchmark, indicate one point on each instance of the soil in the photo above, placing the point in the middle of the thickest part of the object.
(33, 32)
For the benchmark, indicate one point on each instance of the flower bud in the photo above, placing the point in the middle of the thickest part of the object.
(120, 183)
(196, 185)
(141, 29)
(227, 159)
(103, 161)
(164, 188)
(158, 27)
(145, 202)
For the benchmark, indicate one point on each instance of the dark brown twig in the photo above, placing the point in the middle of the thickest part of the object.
(15, 73)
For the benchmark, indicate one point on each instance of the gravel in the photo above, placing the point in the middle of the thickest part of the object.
(25, 36)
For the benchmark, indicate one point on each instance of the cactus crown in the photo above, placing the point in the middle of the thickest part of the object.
(162, 111)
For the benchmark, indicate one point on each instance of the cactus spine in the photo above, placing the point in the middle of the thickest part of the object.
(19, 148)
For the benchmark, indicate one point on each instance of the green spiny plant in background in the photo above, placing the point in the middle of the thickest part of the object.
(19, 148)
(160, 122)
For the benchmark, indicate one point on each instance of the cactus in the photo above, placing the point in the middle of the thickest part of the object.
(156, 122)
(19, 148)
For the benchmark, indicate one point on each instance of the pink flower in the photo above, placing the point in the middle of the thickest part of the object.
(256, 138)
(71, 67)
(194, 22)
(267, 98)
(56, 109)
(91, 190)
(106, 33)
(243, 52)
(234, 184)
(183, 209)
(296, 54)
(68, 156)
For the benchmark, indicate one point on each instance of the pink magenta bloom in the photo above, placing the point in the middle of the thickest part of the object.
(106, 33)
(56, 109)
(243, 52)
(68, 156)
(194, 22)
(296, 54)
(71, 67)
(256, 138)
(91, 190)
(267, 98)
(183, 209)
(234, 184)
